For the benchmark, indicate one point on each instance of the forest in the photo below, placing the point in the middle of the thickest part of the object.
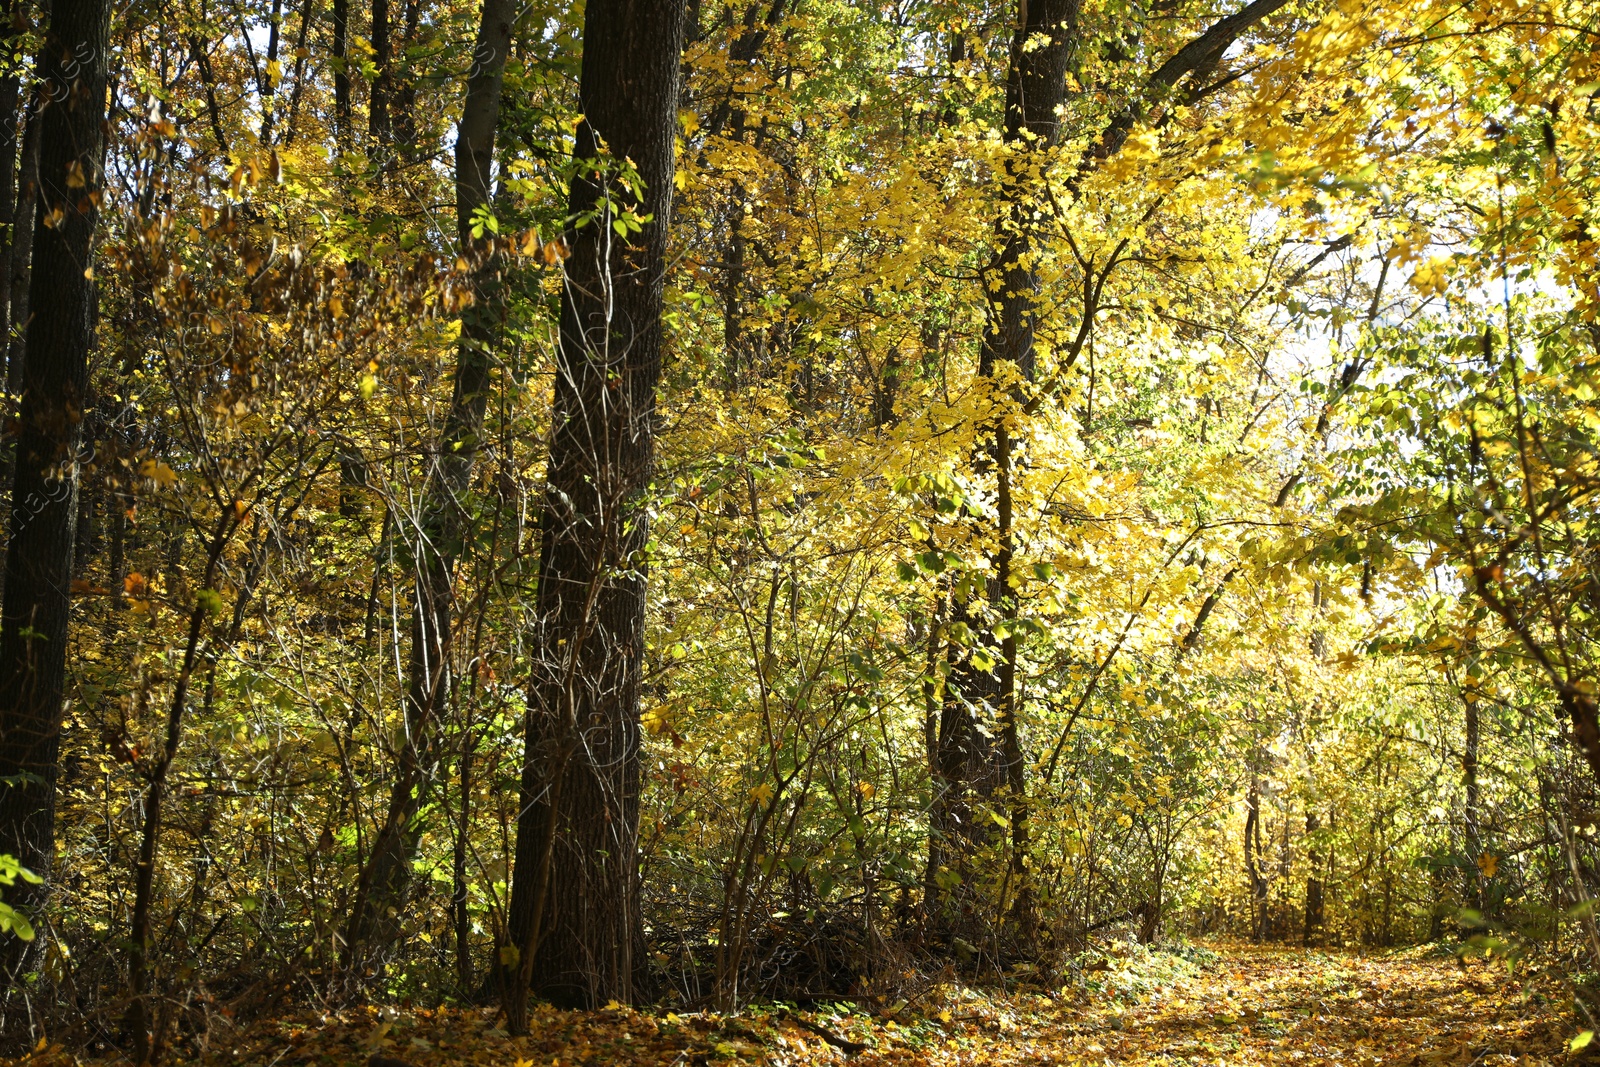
(832, 526)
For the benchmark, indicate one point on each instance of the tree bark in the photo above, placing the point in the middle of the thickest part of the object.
(574, 918)
(44, 515)
(10, 143)
(11, 105)
(18, 263)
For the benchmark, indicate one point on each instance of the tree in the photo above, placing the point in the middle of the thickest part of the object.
(984, 678)
(44, 511)
(443, 522)
(575, 922)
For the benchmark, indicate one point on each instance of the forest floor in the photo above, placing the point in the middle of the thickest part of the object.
(1235, 1005)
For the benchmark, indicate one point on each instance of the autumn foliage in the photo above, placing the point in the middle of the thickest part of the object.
(719, 510)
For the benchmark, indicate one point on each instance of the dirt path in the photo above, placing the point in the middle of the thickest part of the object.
(1258, 1006)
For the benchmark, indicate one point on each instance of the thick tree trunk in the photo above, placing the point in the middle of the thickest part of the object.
(575, 921)
(44, 515)
(443, 522)
(965, 765)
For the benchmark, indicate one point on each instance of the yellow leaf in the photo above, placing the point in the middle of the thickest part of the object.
(1581, 1041)
(1488, 863)
(761, 794)
(158, 472)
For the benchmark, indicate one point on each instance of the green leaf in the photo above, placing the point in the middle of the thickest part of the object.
(11, 919)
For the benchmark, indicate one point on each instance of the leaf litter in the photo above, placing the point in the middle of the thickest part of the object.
(1119, 1005)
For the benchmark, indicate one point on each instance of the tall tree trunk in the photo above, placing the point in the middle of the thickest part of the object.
(964, 765)
(19, 262)
(341, 72)
(44, 515)
(380, 126)
(11, 100)
(443, 523)
(574, 919)
(404, 92)
(1036, 86)
(1042, 52)
(10, 142)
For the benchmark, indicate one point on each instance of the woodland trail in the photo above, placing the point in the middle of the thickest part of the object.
(1260, 1006)
(1239, 1005)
